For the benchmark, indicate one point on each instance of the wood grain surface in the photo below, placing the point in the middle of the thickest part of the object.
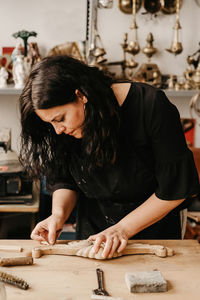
(73, 278)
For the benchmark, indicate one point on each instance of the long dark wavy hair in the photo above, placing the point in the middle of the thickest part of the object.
(52, 82)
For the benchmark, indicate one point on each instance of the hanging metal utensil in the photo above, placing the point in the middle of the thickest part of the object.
(94, 45)
(149, 50)
(176, 46)
(152, 6)
(126, 6)
(105, 3)
(169, 6)
(133, 46)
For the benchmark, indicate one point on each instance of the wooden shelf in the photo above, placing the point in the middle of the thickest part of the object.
(28, 208)
(181, 93)
(11, 90)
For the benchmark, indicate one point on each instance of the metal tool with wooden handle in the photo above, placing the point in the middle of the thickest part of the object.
(84, 248)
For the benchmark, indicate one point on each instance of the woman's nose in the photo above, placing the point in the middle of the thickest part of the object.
(59, 129)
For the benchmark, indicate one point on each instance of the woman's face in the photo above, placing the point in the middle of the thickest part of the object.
(67, 118)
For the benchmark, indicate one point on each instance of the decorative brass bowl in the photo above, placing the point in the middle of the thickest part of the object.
(169, 6)
(126, 6)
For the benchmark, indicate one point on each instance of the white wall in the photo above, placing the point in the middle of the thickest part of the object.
(65, 20)
(9, 117)
(55, 21)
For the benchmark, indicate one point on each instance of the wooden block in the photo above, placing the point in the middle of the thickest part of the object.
(146, 282)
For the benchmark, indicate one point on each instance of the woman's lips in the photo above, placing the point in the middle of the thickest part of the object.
(71, 132)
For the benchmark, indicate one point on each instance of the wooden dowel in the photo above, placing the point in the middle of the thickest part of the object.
(10, 248)
(16, 261)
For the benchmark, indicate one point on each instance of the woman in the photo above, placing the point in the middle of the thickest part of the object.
(116, 151)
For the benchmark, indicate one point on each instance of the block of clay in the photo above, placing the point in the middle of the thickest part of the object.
(145, 282)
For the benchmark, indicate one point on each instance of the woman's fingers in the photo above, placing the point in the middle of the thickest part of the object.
(92, 237)
(123, 243)
(114, 248)
(39, 235)
(35, 234)
(118, 245)
(115, 240)
(38, 238)
(58, 233)
(107, 247)
(112, 244)
(47, 230)
(52, 234)
(99, 239)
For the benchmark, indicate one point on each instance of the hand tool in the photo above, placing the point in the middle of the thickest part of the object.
(14, 280)
(100, 290)
(99, 297)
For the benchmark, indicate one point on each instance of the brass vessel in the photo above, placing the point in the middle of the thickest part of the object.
(196, 77)
(126, 6)
(133, 46)
(169, 6)
(149, 50)
(176, 46)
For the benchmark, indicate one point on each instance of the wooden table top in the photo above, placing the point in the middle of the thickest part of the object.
(56, 277)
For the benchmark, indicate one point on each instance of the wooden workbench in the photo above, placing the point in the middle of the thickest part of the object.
(73, 278)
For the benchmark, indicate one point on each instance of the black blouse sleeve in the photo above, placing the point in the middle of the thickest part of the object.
(175, 169)
(66, 182)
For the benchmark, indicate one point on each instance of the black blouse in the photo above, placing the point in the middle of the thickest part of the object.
(153, 157)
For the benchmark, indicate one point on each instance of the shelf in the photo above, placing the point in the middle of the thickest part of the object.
(181, 93)
(25, 208)
(10, 90)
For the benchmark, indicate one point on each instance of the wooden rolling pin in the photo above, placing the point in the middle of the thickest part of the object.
(15, 261)
(84, 248)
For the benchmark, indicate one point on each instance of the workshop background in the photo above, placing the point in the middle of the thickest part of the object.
(64, 21)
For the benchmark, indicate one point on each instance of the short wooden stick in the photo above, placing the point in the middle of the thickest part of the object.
(10, 248)
(15, 261)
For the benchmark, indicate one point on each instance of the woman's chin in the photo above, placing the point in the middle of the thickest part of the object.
(77, 135)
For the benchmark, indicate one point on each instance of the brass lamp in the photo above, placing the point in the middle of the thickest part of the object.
(149, 50)
(131, 44)
(176, 46)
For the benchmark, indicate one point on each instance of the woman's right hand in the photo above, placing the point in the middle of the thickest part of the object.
(48, 230)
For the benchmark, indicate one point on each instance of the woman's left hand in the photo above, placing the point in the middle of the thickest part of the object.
(114, 237)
